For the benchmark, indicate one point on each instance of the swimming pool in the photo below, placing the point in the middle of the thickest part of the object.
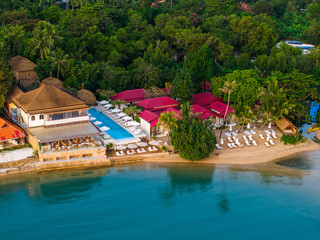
(115, 131)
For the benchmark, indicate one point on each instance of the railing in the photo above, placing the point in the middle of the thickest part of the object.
(66, 120)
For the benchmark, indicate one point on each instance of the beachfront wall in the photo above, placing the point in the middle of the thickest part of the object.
(146, 127)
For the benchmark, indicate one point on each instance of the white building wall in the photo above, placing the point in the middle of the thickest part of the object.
(146, 127)
(24, 116)
(37, 122)
(67, 120)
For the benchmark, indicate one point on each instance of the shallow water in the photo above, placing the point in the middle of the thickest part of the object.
(270, 201)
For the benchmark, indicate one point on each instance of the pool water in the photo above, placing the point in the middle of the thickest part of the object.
(255, 202)
(115, 131)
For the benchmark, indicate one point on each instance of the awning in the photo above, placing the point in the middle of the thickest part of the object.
(58, 133)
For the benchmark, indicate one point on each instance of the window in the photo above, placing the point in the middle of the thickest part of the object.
(41, 117)
(33, 118)
(75, 114)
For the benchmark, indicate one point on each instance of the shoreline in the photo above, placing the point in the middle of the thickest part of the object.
(242, 156)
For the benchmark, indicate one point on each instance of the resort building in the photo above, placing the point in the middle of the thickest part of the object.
(56, 123)
(10, 134)
(305, 47)
(220, 109)
(149, 122)
(203, 113)
(23, 70)
(158, 104)
(287, 127)
(129, 96)
(205, 99)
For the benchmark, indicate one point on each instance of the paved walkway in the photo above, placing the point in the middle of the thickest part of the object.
(15, 155)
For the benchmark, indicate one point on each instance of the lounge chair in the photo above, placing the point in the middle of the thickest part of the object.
(143, 150)
(229, 139)
(122, 153)
(118, 154)
(250, 137)
(247, 143)
(138, 150)
(109, 111)
(138, 131)
(245, 137)
(150, 149)
(272, 142)
(274, 135)
(155, 148)
(239, 144)
(129, 152)
(234, 133)
(261, 137)
(218, 146)
(272, 131)
(229, 145)
(235, 139)
(233, 145)
(227, 134)
(267, 131)
(247, 132)
(267, 144)
(253, 131)
(254, 143)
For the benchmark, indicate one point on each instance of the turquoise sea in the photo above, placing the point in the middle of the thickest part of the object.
(269, 201)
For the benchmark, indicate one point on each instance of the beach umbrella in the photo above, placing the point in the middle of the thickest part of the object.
(133, 123)
(122, 114)
(153, 142)
(142, 144)
(127, 118)
(92, 118)
(104, 102)
(97, 123)
(108, 105)
(269, 126)
(248, 126)
(132, 146)
(121, 147)
(221, 142)
(104, 128)
(117, 110)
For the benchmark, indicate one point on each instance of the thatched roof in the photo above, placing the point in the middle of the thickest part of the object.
(48, 99)
(285, 124)
(88, 97)
(20, 64)
(51, 81)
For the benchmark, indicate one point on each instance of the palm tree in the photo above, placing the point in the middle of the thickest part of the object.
(132, 110)
(227, 88)
(13, 34)
(59, 59)
(274, 103)
(107, 93)
(168, 121)
(186, 110)
(244, 114)
(119, 102)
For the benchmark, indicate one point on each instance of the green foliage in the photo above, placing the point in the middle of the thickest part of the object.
(292, 139)
(183, 86)
(6, 81)
(164, 148)
(193, 139)
(246, 90)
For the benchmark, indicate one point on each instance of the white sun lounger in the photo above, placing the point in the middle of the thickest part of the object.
(155, 148)
(272, 142)
(267, 144)
(150, 149)
(234, 133)
(247, 132)
(229, 139)
(138, 131)
(250, 137)
(143, 150)
(233, 145)
(247, 143)
(239, 144)
(218, 146)
(253, 131)
(261, 137)
(235, 139)
(227, 134)
(229, 145)
(267, 131)
(272, 131)
(245, 137)
(254, 143)
(274, 135)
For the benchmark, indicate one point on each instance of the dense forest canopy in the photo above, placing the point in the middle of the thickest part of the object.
(127, 44)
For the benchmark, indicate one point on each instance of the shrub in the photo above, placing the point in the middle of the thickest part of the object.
(164, 148)
(289, 139)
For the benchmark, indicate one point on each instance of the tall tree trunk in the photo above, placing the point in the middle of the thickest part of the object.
(171, 4)
(225, 114)
(67, 4)
(58, 70)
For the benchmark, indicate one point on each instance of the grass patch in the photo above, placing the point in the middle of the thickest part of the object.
(292, 140)
(15, 148)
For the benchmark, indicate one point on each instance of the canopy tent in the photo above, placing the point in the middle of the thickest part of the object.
(133, 123)
(127, 118)
(132, 146)
(104, 102)
(122, 114)
(117, 110)
(121, 147)
(142, 144)
(153, 142)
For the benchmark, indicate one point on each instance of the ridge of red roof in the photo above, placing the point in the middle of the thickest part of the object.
(148, 116)
(220, 108)
(205, 98)
(159, 103)
(130, 95)
(9, 130)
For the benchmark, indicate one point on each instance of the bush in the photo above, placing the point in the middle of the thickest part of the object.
(289, 139)
(164, 148)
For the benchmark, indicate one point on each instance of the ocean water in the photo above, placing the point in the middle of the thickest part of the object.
(269, 201)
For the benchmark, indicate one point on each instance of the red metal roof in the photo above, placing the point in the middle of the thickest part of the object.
(176, 112)
(130, 95)
(159, 103)
(205, 98)
(220, 108)
(153, 117)
(167, 90)
(204, 113)
(9, 131)
(148, 116)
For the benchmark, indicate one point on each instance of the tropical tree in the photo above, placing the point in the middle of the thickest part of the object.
(13, 35)
(193, 139)
(274, 102)
(227, 88)
(183, 86)
(168, 121)
(6, 81)
(119, 102)
(244, 114)
(59, 60)
(132, 110)
(107, 93)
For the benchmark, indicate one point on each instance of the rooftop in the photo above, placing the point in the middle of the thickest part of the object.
(9, 130)
(130, 95)
(48, 99)
(220, 108)
(19, 63)
(205, 98)
(160, 103)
